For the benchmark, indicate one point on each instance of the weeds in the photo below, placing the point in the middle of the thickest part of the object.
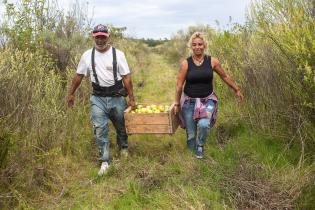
(259, 155)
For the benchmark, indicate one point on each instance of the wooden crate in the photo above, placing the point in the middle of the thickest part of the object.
(154, 123)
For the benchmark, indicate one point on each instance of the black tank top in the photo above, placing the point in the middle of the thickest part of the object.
(199, 78)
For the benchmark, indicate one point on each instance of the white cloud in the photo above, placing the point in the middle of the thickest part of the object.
(2, 9)
(130, 12)
(160, 18)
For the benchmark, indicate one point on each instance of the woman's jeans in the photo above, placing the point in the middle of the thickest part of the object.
(196, 131)
(104, 109)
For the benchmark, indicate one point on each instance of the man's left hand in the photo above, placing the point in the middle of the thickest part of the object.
(132, 103)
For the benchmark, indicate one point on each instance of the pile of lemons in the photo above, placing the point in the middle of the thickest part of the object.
(151, 109)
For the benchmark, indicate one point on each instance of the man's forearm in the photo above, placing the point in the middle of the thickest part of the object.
(128, 85)
(76, 81)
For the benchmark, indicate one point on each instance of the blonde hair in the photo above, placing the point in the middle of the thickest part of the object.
(199, 35)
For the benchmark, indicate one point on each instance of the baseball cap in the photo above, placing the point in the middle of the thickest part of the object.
(100, 30)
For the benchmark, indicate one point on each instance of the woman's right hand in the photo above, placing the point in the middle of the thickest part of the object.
(176, 109)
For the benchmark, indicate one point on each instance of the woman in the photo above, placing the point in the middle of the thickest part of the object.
(198, 103)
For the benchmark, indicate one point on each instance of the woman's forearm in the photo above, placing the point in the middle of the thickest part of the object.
(228, 80)
(178, 94)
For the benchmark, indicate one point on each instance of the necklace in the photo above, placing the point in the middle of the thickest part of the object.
(198, 62)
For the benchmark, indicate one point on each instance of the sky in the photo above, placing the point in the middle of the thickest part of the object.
(159, 19)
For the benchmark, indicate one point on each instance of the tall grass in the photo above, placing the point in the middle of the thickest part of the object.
(39, 135)
(259, 155)
(271, 57)
(283, 31)
(32, 111)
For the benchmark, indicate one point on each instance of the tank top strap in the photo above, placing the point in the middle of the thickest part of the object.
(209, 58)
(189, 61)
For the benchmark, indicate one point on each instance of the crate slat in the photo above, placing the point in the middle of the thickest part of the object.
(154, 123)
(146, 129)
(147, 119)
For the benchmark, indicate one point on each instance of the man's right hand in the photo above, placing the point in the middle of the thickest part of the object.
(70, 101)
(76, 81)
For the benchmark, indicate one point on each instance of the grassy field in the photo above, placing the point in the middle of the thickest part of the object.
(259, 155)
(242, 168)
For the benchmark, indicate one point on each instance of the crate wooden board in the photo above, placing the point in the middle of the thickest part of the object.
(154, 123)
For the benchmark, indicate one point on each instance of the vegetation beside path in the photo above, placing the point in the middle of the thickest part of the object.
(259, 155)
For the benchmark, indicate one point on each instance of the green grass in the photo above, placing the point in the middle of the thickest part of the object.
(160, 172)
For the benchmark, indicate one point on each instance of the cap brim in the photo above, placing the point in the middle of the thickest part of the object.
(100, 34)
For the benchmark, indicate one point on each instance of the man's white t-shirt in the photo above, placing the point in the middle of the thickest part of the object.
(103, 66)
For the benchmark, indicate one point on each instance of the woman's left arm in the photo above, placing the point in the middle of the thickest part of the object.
(226, 78)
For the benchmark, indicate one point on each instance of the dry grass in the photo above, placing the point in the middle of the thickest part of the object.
(48, 155)
(254, 189)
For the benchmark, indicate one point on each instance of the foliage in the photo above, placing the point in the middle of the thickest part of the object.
(177, 49)
(38, 25)
(265, 57)
(153, 42)
(290, 26)
(24, 22)
(117, 32)
(260, 150)
(32, 113)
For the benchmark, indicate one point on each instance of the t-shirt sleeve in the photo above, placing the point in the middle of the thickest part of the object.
(123, 67)
(83, 66)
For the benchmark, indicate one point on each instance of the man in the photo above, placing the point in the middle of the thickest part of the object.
(107, 102)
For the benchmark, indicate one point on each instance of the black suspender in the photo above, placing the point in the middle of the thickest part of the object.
(114, 65)
(115, 90)
(93, 66)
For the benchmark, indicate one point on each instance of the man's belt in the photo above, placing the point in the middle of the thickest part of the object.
(107, 91)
